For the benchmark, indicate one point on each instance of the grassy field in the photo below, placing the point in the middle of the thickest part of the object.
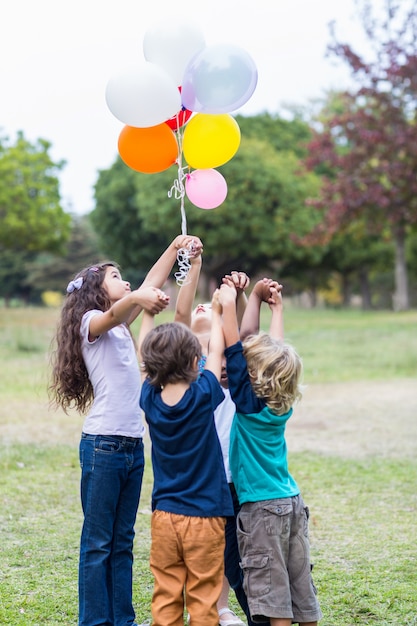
(352, 447)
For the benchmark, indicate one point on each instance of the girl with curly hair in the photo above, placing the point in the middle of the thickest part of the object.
(95, 370)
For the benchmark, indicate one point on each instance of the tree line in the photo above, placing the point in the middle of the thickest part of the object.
(324, 198)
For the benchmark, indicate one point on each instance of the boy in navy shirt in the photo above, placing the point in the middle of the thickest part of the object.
(191, 497)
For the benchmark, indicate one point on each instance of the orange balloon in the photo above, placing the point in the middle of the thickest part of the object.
(148, 150)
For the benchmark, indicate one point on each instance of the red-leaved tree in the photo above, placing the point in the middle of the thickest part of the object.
(369, 148)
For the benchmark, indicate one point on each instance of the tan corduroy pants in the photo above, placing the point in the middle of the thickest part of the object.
(187, 562)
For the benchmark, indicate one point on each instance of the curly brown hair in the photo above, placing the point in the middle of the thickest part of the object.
(70, 386)
(275, 370)
(169, 354)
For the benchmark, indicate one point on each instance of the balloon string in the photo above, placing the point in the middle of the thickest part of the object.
(184, 265)
(181, 173)
(178, 191)
(178, 188)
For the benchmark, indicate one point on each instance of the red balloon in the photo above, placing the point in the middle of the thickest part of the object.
(176, 121)
(148, 150)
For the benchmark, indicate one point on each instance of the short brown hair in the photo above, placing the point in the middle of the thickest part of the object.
(169, 353)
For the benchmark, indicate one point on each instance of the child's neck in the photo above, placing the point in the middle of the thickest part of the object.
(204, 339)
(172, 393)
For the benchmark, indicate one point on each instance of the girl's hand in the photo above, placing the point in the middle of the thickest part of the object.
(152, 299)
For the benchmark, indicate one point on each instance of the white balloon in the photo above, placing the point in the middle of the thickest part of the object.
(172, 44)
(143, 95)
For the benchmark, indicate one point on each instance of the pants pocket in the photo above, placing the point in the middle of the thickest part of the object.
(257, 575)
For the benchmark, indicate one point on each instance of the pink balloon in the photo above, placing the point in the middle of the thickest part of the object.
(207, 189)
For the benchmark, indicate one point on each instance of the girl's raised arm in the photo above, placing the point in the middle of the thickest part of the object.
(159, 272)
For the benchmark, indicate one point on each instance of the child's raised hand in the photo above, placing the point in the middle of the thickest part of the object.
(262, 289)
(191, 243)
(275, 297)
(152, 299)
(239, 280)
(227, 294)
(215, 302)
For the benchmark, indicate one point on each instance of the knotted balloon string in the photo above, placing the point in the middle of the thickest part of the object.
(178, 191)
(184, 266)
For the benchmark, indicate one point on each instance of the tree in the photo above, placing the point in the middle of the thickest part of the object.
(123, 199)
(24, 274)
(13, 274)
(283, 135)
(50, 272)
(30, 212)
(371, 146)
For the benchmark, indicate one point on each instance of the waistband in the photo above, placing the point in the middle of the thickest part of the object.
(121, 438)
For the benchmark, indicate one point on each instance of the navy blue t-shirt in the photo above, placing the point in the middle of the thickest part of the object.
(189, 475)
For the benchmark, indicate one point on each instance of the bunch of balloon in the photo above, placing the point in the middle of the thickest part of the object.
(176, 104)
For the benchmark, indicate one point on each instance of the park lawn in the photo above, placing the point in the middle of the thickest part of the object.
(363, 510)
(362, 530)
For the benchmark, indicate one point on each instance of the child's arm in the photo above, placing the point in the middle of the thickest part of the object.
(230, 324)
(276, 328)
(148, 320)
(251, 318)
(159, 272)
(186, 294)
(216, 342)
(121, 312)
(240, 281)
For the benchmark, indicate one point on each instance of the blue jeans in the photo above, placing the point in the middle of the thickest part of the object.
(111, 480)
(232, 569)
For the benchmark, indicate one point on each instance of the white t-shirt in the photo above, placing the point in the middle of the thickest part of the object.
(223, 417)
(113, 368)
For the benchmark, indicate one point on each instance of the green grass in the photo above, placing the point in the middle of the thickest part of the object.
(40, 528)
(353, 345)
(362, 528)
(363, 512)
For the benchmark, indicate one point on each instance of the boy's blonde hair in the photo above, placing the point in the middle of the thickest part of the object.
(275, 370)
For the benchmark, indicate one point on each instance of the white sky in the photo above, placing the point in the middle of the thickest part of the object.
(57, 57)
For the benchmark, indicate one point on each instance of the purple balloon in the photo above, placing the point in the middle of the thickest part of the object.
(219, 79)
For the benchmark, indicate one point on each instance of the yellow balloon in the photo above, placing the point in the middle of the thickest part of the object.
(210, 140)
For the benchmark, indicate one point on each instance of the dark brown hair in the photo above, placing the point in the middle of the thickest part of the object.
(70, 385)
(169, 354)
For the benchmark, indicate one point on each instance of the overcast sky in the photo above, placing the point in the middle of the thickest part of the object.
(57, 57)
